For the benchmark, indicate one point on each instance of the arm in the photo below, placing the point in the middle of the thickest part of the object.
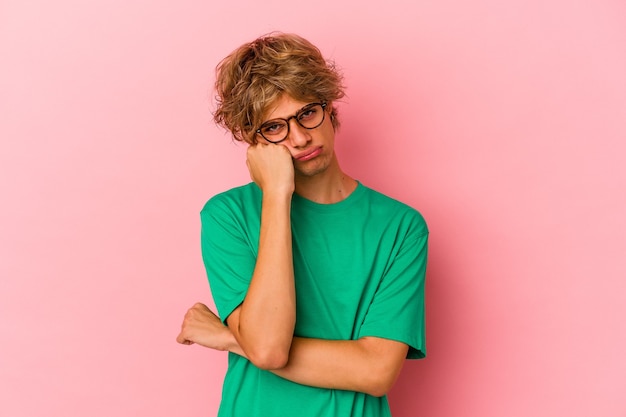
(265, 319)
(370, 364)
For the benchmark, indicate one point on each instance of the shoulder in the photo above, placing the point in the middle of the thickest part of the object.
(235, 213)
(233, 200)
(396, 211)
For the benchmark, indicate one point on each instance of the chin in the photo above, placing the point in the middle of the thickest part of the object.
(311, 171)
(314, 167)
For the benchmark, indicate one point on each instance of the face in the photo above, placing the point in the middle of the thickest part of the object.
(312, 150)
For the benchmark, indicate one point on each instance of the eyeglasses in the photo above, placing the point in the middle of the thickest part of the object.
(309, 117)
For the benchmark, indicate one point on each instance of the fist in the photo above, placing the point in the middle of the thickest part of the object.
(202, 326)
(271, 167)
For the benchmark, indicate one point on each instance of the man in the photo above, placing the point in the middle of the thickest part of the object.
(318, 280)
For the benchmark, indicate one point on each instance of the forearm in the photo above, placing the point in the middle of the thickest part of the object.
(368, 365)
(265, 323)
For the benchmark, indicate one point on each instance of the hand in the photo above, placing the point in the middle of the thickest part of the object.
(271, 167)
(203, 327)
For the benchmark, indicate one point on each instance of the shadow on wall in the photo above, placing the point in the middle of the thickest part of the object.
(417, 391)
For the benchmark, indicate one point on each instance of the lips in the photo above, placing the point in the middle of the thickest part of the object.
(309, 154)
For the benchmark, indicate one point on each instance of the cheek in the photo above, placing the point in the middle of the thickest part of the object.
(330, 135)
(328, 130)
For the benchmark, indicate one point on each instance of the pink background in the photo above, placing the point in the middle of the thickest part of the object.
(503, 122)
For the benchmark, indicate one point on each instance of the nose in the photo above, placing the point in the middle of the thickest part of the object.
(298, 136)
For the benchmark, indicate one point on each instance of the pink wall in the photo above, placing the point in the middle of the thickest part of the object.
(504, 122)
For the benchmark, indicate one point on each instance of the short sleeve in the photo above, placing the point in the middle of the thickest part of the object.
(228, 252)
(397, 309)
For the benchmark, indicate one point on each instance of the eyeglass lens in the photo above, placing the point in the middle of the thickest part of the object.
(309, 117)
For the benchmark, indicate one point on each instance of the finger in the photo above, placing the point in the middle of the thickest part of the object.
(181, 339)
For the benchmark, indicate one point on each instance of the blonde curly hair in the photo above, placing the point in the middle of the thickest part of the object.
(257, 74)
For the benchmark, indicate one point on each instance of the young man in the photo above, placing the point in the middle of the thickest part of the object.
(318, 280)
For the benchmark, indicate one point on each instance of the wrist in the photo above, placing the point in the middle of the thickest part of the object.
(277, 197)
(278, 191)
(233, 346)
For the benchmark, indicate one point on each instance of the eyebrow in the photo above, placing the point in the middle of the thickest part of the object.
(293, 115)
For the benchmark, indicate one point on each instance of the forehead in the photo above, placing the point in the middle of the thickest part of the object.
(286, 106)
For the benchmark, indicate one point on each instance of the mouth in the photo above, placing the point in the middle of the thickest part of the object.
(309, 154)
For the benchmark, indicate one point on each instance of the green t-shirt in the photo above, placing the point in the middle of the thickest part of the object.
(359, 270)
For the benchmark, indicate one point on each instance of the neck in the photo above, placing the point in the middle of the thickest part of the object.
(328, 187)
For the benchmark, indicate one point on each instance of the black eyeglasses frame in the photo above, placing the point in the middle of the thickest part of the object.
(295, 116)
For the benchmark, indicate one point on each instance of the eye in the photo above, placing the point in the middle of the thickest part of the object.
(272, 128)
(308, 113)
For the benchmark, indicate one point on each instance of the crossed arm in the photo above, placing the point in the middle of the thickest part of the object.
(370, 364)
(261, 328)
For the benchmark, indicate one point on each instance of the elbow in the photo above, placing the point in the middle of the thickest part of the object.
(381, 378)
(379, 388)
(382, 365)
(268, 359)
(265, 350)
